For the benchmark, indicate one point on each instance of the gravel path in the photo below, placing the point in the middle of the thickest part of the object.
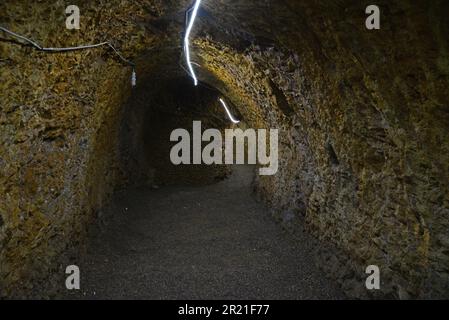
(211, 242)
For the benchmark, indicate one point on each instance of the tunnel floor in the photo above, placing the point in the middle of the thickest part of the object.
(208, 242)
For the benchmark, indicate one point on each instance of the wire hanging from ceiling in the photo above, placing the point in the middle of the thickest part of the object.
(36, 46)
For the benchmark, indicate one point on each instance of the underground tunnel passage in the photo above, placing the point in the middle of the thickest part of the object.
(87, 177)
(151, 116)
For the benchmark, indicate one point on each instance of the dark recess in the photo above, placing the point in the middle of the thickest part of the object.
(281, 100)
(332, 155)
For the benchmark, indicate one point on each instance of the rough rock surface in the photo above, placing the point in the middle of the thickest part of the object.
(364, 118)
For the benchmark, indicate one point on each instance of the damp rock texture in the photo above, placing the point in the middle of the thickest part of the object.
(363, 118)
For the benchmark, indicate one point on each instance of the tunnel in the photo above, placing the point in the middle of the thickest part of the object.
(87, 178)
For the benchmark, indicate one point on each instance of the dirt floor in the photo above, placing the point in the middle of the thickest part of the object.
(209, 242)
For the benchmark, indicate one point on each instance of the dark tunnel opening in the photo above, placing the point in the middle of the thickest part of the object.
(152, 113)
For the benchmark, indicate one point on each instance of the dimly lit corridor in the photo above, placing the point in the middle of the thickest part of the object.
(356, 121)
(200, 242)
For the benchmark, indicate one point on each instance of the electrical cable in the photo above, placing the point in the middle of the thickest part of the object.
(36, 46)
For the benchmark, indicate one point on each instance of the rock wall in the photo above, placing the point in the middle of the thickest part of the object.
(59, 122)
(363, 119)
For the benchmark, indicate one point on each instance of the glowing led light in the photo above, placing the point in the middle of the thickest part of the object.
(187, 42)
(134, 78)
(228, 112)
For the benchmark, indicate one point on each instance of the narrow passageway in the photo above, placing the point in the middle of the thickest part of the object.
(116, 139)
(208, 242)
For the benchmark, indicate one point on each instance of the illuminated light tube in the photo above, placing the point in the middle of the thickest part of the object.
(228, 112)
(187, 41)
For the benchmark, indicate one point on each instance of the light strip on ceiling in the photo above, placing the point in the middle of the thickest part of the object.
(228, 112)
(187, 40)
